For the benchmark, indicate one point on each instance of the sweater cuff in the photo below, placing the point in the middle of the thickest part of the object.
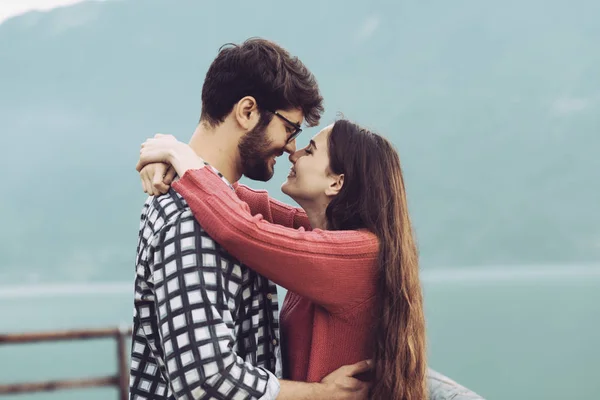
(204, 179)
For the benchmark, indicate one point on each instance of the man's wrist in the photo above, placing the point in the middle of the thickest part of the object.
(324, 391)
(292, 390)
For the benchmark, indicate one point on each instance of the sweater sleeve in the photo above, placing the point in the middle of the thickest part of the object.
(272, 210)
(335, 269)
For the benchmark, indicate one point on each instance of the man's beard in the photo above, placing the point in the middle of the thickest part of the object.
(255, 154)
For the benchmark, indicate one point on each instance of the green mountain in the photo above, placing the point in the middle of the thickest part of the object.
(493, 106)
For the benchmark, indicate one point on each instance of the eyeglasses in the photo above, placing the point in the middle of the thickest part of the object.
(297, 129)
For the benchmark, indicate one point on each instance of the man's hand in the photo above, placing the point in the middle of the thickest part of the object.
(156, 178)
(341, 384)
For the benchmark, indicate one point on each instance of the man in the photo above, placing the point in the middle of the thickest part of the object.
(205, 325)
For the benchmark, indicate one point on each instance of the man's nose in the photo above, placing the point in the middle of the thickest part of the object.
(290, 147)
(294, 157)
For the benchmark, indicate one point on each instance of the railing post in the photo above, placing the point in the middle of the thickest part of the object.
(120, 379)
(123, 369)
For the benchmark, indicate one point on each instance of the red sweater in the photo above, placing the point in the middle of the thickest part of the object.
(327, 317)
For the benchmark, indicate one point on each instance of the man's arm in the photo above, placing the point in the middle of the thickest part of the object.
(196, 330)
(339, 385)
(197, 334)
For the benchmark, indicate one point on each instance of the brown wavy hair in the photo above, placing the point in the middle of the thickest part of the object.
(373, 197)
(264, 70)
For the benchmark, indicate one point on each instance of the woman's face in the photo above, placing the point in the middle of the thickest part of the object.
(310, 179)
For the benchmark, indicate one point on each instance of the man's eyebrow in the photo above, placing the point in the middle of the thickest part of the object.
(313, 144)
(297, 123)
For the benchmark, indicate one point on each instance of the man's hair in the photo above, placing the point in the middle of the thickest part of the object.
(265, 71)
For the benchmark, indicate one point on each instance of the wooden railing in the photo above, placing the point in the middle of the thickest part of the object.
(120, 380)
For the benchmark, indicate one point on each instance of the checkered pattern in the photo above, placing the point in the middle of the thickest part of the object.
(205, 326)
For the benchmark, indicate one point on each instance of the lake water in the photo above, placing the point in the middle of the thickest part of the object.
(507, 333)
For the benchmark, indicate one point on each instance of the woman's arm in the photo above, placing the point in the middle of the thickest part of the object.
(157, 173)
(336, 269)
(272, 210)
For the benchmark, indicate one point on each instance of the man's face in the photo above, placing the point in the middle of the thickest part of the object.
(260, 147)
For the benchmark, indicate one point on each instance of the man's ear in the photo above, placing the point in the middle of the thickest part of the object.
(335, 186)
(246, 113)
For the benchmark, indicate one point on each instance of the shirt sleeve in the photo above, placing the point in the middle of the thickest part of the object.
(271, 209)
(336, 269)
(196, 329)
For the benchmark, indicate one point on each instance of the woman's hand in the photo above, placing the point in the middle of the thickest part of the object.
(157, 178)
(159, 152)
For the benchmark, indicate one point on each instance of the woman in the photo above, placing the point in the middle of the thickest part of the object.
(349, 259)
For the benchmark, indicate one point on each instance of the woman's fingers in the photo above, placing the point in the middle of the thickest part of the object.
(144, 181)
(164, 136)
(155, 172)
(146, 176)
(158, 172)
(157, 178)
(169, 176)
(145, 154)
(150, 156)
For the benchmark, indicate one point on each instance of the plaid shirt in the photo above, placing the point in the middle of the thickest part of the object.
(205, 325)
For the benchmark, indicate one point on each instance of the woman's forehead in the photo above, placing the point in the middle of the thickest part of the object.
(322, 136)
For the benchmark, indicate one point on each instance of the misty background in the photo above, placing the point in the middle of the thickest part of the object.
(494, 108)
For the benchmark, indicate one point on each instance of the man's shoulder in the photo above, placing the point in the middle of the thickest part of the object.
(169, 218)
(159, 212)
(166, 220)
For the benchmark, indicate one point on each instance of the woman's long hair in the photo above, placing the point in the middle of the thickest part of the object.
(373, 197)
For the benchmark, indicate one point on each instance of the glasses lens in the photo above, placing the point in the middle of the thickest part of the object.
(295, 134)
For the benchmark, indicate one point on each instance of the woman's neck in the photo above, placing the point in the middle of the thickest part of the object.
(315, 213)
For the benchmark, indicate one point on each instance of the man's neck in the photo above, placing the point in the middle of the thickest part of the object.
(219, 147)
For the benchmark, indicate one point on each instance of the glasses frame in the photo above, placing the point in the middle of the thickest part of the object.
(297, 127)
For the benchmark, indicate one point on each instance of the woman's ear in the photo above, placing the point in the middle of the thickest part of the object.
(337, 181)
(246, 113)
